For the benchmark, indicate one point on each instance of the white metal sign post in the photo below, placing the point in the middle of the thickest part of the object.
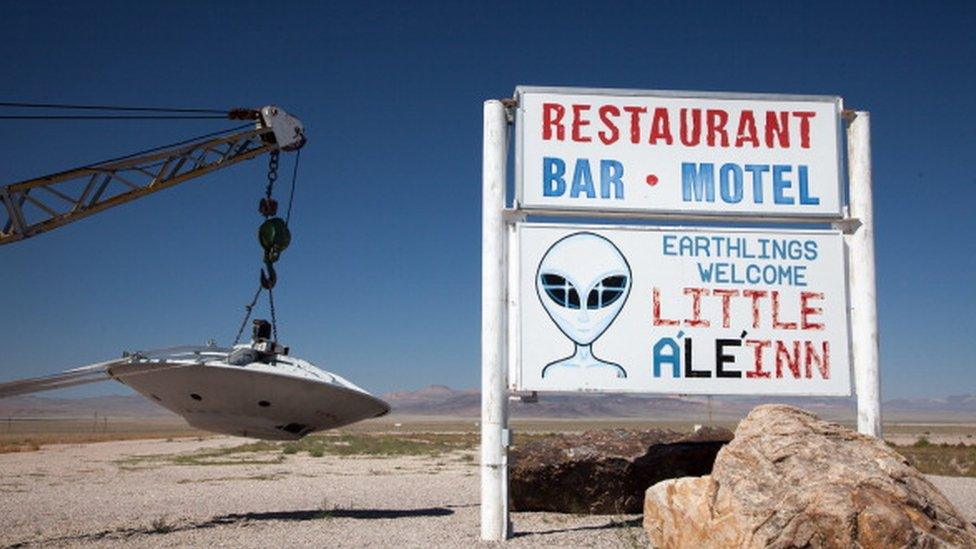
(642, 309)
(860, 257)
(494, 396)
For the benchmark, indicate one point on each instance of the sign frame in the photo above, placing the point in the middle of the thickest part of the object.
(686, 213)
(855, 221)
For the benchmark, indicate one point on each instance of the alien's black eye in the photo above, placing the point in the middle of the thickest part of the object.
(560, 290)
(573, 298)
(606, 292)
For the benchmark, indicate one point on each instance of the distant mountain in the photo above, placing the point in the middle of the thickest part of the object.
(112, 406)
(438, 400)
(436, 397)
(960, 403)
(956, 407)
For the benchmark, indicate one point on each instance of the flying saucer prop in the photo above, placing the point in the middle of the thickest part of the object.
(252, 390)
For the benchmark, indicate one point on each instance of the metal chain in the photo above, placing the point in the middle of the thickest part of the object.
(272, 172)
(272, 177)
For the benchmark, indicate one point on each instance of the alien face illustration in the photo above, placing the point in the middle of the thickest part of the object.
(583, 282)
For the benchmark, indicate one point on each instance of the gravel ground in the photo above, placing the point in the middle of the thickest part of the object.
(110, 494)
(961, 491)
(115, 493)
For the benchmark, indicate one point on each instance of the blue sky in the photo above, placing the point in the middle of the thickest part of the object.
(382, 281)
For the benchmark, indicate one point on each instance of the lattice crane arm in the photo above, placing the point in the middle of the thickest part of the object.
(39, 205)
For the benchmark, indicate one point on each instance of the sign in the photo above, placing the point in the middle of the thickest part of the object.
(677, 310)
(679, 153)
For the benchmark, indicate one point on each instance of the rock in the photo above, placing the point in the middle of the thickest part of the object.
(605, 471)
(789, 479)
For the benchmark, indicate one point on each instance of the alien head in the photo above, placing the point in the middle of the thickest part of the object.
(583, 282)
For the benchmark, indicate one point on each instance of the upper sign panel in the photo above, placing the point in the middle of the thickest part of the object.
(678, 152)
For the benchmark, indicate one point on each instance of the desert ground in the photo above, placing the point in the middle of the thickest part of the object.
(406, 483)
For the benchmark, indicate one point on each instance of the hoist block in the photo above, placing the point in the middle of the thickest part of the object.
(274, 237)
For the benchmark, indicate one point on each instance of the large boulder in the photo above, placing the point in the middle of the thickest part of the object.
(605, 471)
(789, 479)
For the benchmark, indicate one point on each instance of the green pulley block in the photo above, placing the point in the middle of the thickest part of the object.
(274, 237)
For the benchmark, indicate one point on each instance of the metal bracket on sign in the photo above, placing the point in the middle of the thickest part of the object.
(847, 226)
(510, 104)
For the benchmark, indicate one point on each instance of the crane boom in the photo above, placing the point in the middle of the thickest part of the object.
(38, 205)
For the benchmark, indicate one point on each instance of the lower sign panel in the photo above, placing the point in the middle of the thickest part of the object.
(676, 310)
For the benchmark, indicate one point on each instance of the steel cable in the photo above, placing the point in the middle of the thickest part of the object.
(247, 314)
(106, 108)
(294, 177)
(110, 117)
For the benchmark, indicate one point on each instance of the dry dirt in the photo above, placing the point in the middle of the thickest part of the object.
(133, 493)
(112, 494)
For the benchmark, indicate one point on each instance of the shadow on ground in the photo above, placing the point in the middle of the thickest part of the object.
(161, 526)
(608, 526)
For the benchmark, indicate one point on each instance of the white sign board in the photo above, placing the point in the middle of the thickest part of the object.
(677, 310)
(679, 153)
